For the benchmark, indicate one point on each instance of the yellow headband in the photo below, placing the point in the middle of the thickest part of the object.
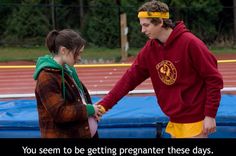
(145, 14)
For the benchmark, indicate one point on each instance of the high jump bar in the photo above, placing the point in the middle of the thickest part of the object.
(95, 65)
(148, 91)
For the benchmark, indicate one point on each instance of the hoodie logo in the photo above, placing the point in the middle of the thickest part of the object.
(167, 72)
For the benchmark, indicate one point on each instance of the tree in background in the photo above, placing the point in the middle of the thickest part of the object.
(101, 27)
(135, 37)
(200, 16)
(102, 23)
(27, 23)
(70, 13)
(5, 11)
(234, 5)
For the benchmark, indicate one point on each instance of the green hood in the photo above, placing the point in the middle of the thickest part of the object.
(49, 62)
(45, 61)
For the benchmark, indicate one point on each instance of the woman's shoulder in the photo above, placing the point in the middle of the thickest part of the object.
(47, 73)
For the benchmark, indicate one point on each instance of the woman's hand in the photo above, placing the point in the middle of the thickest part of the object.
(99, 111)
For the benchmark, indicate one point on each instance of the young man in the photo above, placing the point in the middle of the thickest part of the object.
(183, 72)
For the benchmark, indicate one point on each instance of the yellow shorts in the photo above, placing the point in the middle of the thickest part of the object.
(184, 130)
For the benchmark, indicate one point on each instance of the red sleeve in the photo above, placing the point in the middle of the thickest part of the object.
(135, 75)
(205, 64)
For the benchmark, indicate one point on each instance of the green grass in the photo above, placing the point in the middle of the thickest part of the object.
(32, 53)
(16, 53)
(105, 53)
(223, 50)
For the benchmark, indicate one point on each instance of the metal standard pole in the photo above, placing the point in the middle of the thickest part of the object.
(123, 35)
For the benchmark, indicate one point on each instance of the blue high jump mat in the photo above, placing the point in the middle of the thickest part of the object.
(132, 117)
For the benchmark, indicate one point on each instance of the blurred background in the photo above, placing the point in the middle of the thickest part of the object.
(25, 23)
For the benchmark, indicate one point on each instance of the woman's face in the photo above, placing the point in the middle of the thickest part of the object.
(72, 57)
(77, 55)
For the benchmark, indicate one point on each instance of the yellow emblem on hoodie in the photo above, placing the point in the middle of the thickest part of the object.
(167, 72)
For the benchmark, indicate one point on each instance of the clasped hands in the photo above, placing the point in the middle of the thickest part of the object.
(99, 111)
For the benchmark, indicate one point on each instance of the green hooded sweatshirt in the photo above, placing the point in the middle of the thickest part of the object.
(49, 62)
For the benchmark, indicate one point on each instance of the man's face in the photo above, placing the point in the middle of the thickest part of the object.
(152, 31)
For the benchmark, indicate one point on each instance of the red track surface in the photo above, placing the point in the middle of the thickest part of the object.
(20, 81)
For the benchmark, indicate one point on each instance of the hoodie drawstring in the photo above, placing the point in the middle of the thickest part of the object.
(63, 84)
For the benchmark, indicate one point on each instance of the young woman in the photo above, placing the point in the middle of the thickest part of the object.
(63, 102)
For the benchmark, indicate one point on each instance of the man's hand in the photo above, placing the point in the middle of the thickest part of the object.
(209, 125)
(99, 111)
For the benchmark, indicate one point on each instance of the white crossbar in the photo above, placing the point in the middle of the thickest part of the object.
(148, 91)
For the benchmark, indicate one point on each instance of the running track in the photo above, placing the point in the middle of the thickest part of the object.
(16, 80)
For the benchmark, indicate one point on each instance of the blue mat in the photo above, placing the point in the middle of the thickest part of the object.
(132, 117)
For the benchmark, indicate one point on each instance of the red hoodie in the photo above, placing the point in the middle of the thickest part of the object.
(184, 75)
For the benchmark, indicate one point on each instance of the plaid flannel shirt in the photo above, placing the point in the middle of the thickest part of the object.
(59, 117)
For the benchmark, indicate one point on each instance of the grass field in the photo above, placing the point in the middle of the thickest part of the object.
(32, 53)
